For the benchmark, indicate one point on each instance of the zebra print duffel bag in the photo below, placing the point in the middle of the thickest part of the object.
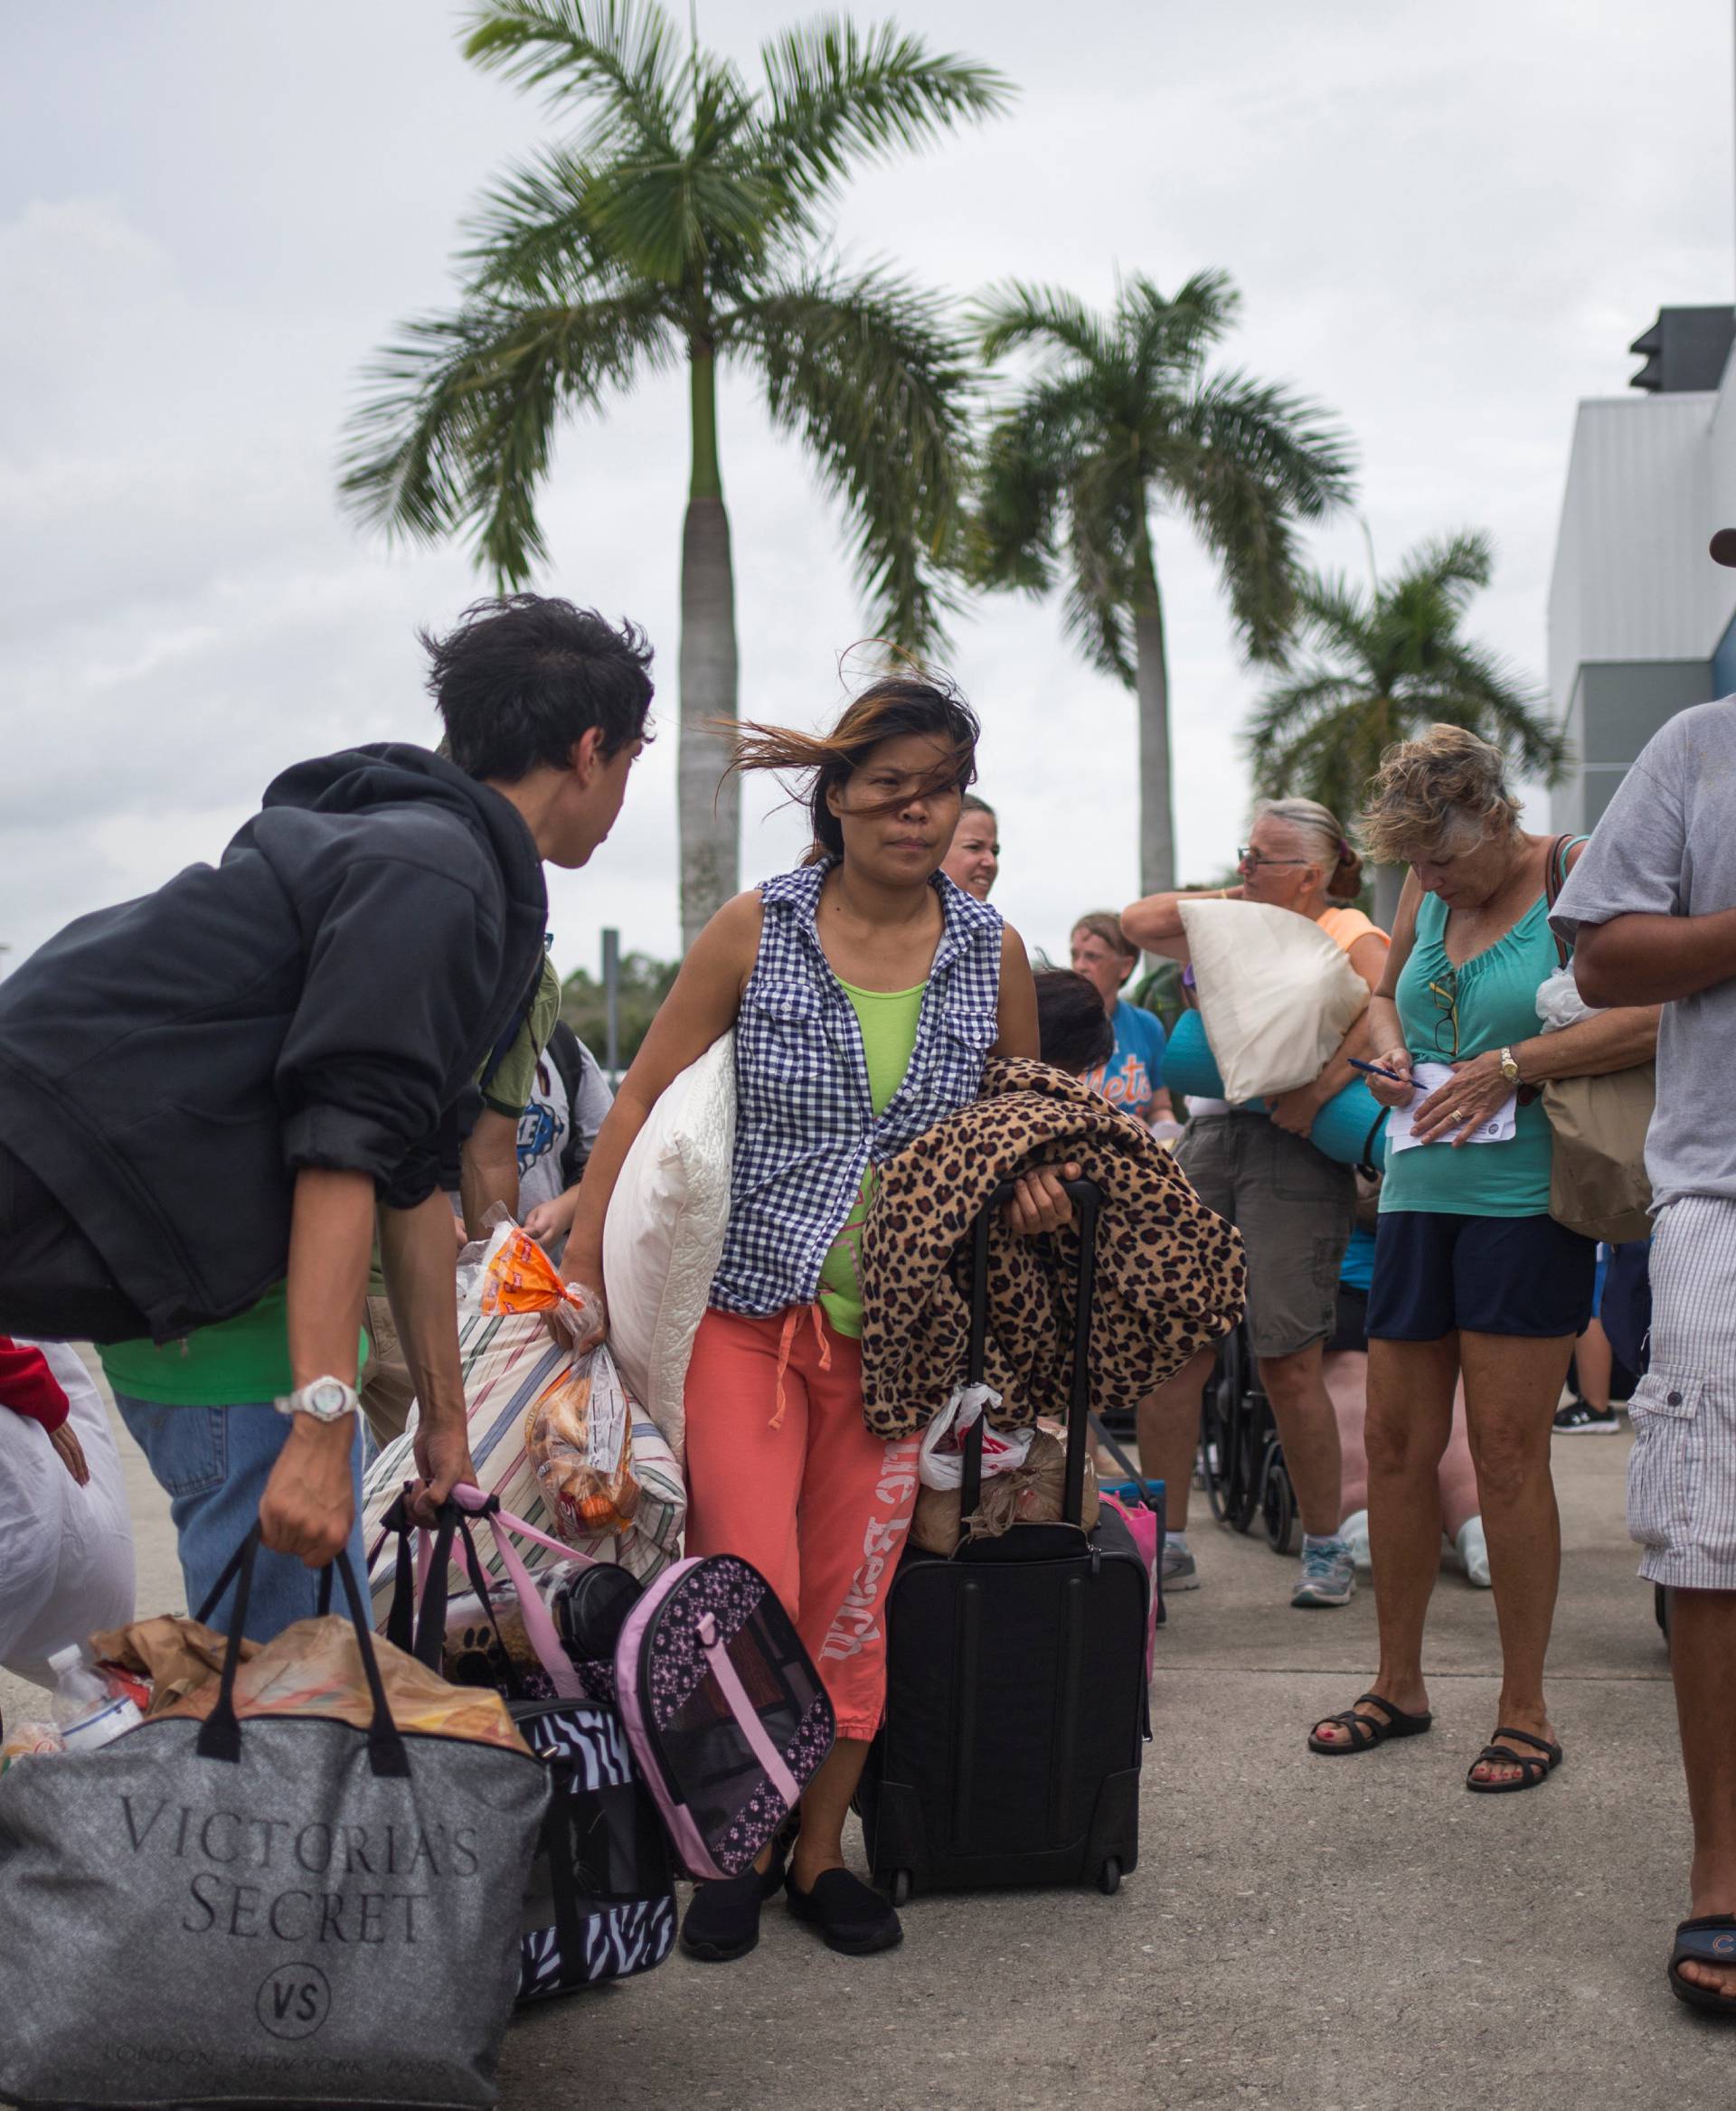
(600, 1901)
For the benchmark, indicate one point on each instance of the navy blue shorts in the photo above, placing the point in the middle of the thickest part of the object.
(1436, 1274)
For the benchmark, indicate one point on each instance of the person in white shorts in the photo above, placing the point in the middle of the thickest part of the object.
(1650, 911)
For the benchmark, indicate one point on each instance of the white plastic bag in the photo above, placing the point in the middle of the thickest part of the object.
(940, 1463)
(1558, 1002)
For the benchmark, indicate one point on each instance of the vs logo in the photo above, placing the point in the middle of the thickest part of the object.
(295, 2001)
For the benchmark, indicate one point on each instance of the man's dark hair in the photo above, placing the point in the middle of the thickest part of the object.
(1073, 1030)
(522, 678)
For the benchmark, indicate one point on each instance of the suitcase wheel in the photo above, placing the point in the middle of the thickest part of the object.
(1108, 1878)
(899, 1889)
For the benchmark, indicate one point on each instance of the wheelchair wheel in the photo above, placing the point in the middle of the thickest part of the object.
(1214, 1449)
(1276, 1499)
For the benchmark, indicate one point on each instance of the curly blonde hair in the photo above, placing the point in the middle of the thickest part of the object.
(1425, 787)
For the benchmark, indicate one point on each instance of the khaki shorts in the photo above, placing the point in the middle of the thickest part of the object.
(1682, 1470)
(1294, 1208)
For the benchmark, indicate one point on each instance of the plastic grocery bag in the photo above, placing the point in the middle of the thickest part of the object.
(1558, 1002)
(940, 1463)
(579, 1431)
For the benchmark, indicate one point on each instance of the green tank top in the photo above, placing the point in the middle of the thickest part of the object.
(1492, 1000)
(889, 1020)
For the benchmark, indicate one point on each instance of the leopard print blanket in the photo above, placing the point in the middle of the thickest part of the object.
(1169, 1272)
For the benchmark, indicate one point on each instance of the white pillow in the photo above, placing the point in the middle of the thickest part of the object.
(1276, 995)
(663, 1237)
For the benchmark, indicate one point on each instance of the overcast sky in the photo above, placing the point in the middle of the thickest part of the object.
(1448, 224)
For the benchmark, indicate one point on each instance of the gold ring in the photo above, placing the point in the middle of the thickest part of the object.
(1459, 1114)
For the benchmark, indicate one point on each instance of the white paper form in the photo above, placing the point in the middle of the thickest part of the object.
(1500, 1128)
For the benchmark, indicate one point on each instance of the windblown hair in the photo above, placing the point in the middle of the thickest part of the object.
(520, 679)
(889, 709)
(1074, 1032)
(1425, 787)
(1103, 923)
(1325, 836)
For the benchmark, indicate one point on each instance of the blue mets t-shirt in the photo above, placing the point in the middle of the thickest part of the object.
(1133, 1075)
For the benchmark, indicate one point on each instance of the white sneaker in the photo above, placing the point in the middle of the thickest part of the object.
(1474, 1551)
(1353, 1531)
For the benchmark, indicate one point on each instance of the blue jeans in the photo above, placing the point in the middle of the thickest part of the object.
(212, 1464)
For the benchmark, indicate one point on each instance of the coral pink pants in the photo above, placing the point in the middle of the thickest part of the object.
(781, 1470)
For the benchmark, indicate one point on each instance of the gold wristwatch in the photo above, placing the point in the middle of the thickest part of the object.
(1510, 1067)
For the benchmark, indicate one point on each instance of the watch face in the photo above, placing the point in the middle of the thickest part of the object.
(329, 1397)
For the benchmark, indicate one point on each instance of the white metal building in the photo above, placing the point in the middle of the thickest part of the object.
(1641, 621)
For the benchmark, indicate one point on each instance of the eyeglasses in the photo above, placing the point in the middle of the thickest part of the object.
(1446, 996)
(1250, 859)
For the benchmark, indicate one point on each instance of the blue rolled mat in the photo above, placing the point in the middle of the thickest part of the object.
(1351, 1127)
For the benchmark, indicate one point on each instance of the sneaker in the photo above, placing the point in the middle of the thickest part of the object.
(1580, 1418)
(1474, 1551)
(1181, 1571)
(1353, 1531)
(1328, 1576)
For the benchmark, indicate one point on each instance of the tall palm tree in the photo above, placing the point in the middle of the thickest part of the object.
(1378, 666)
(1121, 417)
(684, 222)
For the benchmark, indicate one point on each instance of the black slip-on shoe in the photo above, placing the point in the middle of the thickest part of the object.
(722, 1922)
(848, 1915)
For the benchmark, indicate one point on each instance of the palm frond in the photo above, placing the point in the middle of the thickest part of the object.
(459, 430)
(1301, 456)
(1104, 525)
(1334, 614)
(1508, 711)
(1290, 708)
(834, 94)
(623, 52)
(868, 374)
(1170, 335)
(1454, 566)
(1016, 313)
(1031, 452)
(536, 232)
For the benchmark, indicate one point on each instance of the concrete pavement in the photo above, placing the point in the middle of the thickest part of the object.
(1321, 1936)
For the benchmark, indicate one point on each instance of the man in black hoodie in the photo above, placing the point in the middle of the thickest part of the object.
(233, 1083)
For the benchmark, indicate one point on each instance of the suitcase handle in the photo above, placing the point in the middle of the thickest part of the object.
(1087, 1198)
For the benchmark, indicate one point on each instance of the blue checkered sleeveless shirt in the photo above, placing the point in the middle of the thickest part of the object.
(805, 1126)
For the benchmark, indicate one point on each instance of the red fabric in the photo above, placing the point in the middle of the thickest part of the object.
(28, 1387)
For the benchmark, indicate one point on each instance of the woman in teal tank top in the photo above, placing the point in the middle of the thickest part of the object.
(1472, 1274)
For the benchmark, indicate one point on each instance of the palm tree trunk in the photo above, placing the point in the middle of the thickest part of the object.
(710, 807)
(1151, 686)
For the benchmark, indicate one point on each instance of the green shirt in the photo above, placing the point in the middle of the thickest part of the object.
(238, 1362)
(889, 1020)
(1450, 1014)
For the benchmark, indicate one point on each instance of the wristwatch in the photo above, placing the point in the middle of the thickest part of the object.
(1510, 1067)
(327, 1400)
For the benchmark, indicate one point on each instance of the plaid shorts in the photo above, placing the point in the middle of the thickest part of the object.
(1682, 1475)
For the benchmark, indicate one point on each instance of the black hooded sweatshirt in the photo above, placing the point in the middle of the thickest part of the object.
(323, 997)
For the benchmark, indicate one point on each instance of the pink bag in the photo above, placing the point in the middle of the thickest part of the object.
(1148, 1535)
(724, 1710)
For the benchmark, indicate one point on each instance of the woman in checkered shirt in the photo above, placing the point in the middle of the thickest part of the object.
(866, 991)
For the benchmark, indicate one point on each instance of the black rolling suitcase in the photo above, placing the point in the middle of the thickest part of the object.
(1016, 1705)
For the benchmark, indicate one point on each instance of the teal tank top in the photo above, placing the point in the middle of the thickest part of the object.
(1493, 1000)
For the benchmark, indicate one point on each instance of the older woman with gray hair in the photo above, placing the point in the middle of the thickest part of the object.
(1292, 1203)
(1472, 1274)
